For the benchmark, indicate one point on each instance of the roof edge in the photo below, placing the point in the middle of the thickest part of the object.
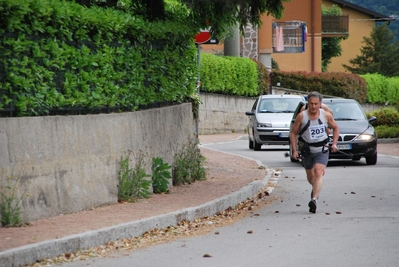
(376, 15)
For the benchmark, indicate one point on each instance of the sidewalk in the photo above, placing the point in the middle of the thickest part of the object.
(230, 180)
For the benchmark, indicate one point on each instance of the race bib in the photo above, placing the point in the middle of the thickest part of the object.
(316, 132)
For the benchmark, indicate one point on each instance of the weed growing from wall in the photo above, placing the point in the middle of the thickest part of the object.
(10, 200)
(188, 165)
(133, 184)
(160, 175)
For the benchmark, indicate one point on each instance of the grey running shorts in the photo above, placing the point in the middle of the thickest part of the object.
(310, 160)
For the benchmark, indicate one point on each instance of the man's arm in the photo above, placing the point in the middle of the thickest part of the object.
(332, 124)
(294, 131)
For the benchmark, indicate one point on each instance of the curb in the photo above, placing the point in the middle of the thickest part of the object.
(52, 248)
(387, 140)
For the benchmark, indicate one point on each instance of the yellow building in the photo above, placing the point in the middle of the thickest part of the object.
(361, 23)
(294, 41)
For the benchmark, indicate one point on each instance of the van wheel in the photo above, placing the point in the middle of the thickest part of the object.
(257, 146)
(251, 143)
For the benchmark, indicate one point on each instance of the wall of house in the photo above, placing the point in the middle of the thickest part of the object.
(310, 60)
(65, 164)
(360, 25)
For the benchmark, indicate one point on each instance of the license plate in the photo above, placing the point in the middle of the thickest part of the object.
(344, 146)
(284, 134)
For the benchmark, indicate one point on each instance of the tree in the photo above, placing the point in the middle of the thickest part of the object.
(380, 54)
(150, 9)
(221, 15)
(107, 3)
(330, 46)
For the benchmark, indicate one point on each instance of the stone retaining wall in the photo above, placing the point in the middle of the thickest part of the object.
(70, 163)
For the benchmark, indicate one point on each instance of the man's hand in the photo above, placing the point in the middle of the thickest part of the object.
(334, 148)
(295, 155)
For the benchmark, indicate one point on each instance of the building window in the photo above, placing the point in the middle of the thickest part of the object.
(289, 37)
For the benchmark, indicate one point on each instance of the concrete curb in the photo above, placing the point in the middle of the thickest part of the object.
(387, 140)
(49, 249)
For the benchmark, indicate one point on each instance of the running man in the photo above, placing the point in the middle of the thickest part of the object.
(311, 126)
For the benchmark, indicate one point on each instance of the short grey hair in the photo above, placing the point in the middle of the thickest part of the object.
(315, 94)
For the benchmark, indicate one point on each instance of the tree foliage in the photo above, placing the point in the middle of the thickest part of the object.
(219, 14)
(380, 54)
(330, 46)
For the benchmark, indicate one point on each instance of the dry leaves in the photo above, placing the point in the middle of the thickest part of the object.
(184, 229)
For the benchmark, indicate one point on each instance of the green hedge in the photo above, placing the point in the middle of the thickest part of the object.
(330, 83)
(382, 89)
(228, 75)
(384, 131)
(386, 116)
(387, 123)
(57, 55)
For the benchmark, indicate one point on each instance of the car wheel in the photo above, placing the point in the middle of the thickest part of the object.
(251, 143)
(291, 158)
(371, 160)
(257, 146)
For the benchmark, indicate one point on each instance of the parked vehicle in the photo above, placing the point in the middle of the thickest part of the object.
(357, 137)
(269, 120)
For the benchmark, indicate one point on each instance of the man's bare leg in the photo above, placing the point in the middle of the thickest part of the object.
(315, 178)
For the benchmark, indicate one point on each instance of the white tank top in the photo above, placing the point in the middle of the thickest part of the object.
(316, 132)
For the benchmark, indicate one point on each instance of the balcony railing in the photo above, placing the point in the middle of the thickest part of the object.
(289, 37)
(335, 25)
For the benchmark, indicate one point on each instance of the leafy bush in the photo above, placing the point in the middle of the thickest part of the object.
(10, 199)
(188, 165)
(160, 175)
(132, 183)
(263, 78)
(228, 75)
(384, 131)
(386, 116)
(382, 89)
(329, 83)
(59, 55)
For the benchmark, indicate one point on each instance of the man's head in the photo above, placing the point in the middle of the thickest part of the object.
(314, 101)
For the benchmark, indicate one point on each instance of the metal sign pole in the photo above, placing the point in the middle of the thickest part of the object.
(198, 85)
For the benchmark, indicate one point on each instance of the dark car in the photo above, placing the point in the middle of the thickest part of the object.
(270, 118)
(357, 137)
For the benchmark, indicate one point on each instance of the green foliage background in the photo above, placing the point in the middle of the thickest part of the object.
(229, 75)
(382, 89)
(329, 83)
(60, 55)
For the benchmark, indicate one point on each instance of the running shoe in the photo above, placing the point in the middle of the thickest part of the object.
(312, 206)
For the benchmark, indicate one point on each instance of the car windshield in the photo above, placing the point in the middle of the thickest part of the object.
(346, 111)
(278, 105)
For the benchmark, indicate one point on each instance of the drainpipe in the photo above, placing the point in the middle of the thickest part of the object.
(312, 18)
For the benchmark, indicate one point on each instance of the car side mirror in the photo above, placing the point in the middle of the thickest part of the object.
(249, 113)
(372, 119)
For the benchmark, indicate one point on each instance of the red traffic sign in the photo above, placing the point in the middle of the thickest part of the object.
(202, 37)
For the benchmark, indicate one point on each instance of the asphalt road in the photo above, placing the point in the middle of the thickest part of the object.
(356, 224)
